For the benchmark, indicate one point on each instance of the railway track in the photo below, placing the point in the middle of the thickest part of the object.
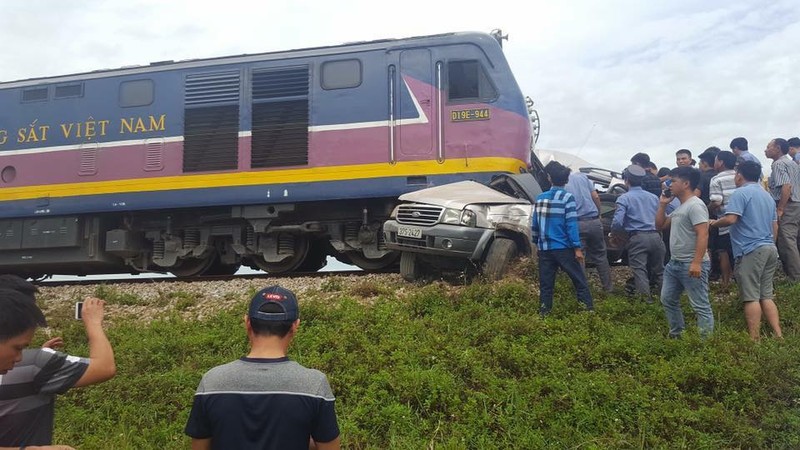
(143, 279)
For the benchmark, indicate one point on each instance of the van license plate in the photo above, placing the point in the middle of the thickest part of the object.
(409, 232)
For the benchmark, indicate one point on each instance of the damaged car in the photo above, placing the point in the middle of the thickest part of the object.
(464, 225)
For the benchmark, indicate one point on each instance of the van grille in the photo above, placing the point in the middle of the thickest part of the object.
(419, 214)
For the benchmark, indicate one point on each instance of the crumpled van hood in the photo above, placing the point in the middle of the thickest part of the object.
(460, 194)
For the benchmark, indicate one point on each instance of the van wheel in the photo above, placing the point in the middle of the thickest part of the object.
(409, 266)
(501, 253)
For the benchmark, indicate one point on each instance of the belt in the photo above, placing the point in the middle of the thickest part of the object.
(635, 232)
(584, 219)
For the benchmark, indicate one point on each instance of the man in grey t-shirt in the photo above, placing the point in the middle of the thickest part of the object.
(689, 265)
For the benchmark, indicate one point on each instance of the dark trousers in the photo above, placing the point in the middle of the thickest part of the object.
(549, 263)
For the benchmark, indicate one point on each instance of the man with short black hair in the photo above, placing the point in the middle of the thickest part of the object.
(635, 215)
(31, 378)
(784, 185)
(739, 148)
(554, 228)
(650, 183)
(753, 220)
(794, 149)
(689, 265)
(265, 400)
(720, 188)
(707, 172)
(683, 157)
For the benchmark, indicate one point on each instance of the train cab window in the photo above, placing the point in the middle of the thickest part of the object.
(469, 81)
(136, 93)
(69, 90)
(342, 74)
(34, 95)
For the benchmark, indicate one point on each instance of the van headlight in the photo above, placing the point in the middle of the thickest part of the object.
(464, 217)
(468, 218)
(451, 216)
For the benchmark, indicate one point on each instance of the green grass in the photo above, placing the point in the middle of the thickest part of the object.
(471, 367)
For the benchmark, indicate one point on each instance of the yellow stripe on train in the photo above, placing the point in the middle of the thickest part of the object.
(232, 179)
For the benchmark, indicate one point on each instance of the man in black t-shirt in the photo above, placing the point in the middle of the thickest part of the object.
(265, 400)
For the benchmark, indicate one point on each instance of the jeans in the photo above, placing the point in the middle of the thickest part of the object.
(676, 280)
(549, 262)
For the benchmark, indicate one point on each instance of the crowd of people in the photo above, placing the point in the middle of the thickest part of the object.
(716, 219)
(681, 227)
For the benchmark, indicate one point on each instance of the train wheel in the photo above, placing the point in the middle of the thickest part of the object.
(374, 264)
(299, 245)
(194, 267)
(316, 258)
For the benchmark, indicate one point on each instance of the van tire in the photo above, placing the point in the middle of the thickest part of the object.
(409, 266)
(498, 258)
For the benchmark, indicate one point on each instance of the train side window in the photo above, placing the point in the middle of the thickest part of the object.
(69, 90)
(342, 74)
(34, 95)
(136, 93)
(469, 81)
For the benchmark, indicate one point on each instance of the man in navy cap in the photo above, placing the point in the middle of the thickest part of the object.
(264, 400)
(636, 216)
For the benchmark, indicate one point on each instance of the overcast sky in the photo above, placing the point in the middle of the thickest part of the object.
(610, 78)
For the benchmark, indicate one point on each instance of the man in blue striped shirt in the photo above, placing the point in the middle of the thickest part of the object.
(555, 231)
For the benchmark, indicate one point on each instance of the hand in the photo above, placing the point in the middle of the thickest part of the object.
(663, 200)
(694, 269)
(579, 255)
(712, 223)
(93, 311)
(53, 343)
(780, 212)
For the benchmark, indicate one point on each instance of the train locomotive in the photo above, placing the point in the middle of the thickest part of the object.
(272, 160)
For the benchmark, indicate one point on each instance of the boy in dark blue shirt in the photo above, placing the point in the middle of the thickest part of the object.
(555, 231)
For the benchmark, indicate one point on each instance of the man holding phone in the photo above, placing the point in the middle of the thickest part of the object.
(31, 378)
(688, 267)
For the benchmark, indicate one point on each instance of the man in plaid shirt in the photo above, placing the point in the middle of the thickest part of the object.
(555, 231)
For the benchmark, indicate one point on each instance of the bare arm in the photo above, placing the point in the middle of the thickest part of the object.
(662, 221)
(775, 231)
(700, 249)
(786, 193)
(332, 445)
(102, 366)
(726, 221)
(201, 444)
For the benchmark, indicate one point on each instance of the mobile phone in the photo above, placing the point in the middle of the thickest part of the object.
(79, 310)
(667, 192)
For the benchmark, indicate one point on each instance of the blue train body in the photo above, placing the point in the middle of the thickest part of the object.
(273, 160)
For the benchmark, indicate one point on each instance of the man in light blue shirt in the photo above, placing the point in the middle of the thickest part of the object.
(753, 218)
(739, 148)
(636, 216)
(590, 228)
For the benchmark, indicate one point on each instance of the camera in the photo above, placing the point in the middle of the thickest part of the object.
(667, 192)
(79, 310)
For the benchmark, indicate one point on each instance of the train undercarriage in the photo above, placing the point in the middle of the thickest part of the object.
(279, 238)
